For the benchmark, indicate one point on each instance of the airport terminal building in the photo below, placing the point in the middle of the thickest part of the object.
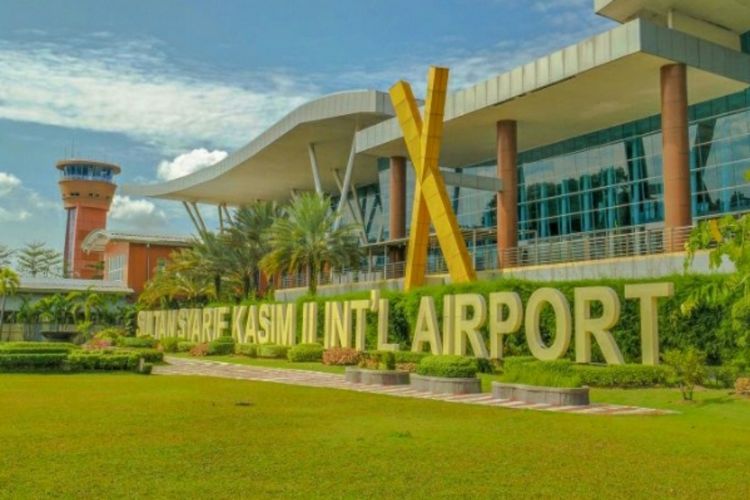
(608, 150)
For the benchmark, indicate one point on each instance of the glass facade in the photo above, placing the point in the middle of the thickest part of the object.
(87, 172)
(604, 181)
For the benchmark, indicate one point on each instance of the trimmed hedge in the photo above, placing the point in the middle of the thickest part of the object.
(448, 366)
(272, 351)
(558, 373)
(32, 361)
(622, 375)
(221, 346)
(148, 355)
(562, 373)
(103, 361)
(137, 342)
(36, 347)
(305, 352)
(249, 350)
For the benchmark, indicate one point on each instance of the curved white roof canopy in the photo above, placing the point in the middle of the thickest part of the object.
(277, 161)
(606, 80)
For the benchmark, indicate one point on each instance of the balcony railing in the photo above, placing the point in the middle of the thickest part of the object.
(533, 252)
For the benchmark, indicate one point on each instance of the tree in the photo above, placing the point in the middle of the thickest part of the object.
(87, 303)
(727, 238)
(6, 255)
(183, 278)
(36, 259)
(246, 242)
(307, 239)
(9, 283)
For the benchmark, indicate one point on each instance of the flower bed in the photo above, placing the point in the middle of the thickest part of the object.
(357, 375)
(557, 396)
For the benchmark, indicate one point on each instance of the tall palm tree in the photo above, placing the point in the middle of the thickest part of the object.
(9, 283)
(307, 238)
(87, 303)
(247, 241)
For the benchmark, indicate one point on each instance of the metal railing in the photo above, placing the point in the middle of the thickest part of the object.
(629, 242)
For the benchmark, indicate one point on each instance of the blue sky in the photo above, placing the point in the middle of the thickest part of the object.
(164, 87)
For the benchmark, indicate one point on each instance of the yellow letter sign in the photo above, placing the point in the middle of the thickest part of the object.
(430, 197)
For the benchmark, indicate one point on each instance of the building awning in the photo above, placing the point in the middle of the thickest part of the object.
(98, 239)
(277, 162)
(606, 80)
(65, 285)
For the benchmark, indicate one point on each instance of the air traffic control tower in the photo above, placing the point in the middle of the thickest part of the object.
(87, 189)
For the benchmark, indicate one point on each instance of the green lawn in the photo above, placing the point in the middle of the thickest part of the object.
(123, 435)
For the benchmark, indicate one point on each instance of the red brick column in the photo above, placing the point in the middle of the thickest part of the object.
(397, 206)
(675, 154)
(507, 200)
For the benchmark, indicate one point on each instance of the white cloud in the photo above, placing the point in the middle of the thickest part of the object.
(132, 89)
(135, 214)
(187, 163)
(8, 182)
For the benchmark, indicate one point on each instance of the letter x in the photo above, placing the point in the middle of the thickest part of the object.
(431, 201)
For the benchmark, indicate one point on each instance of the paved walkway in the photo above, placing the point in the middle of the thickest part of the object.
(182, 366)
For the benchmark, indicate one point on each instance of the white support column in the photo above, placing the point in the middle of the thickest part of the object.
(314, 167)
(192, 217)
(198, 216)
(355, 209)
(347, 179)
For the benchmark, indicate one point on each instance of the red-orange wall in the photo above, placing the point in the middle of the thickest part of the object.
(141, 261)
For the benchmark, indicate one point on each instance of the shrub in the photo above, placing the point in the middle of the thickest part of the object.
(112, 333)
(742, 386)
(272, 351)
(448, 366)
(199, 350)
(137, 342)
(10, 362)
(341, 356)
(170, 344)
(305, 352)
(688, 369)
(103, 361)
(559, 373)
(36, 348)
(221, 346)
(185, 346)
(378, 360)
(721, 377)
(145, 368)
(622, 375)
(148, 355)
(249, 350)
(96, 344)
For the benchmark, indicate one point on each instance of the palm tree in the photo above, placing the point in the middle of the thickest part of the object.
(184, 278)
(307, 239)
(9, 283)
(209, 252)
(246, 242)
(87, 303)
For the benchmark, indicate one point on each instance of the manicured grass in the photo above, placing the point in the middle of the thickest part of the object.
(123, 435)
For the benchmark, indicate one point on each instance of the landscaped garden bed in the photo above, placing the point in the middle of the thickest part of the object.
(446, 375)
(357, 375)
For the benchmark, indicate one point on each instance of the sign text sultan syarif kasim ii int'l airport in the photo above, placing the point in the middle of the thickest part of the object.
(464, 315)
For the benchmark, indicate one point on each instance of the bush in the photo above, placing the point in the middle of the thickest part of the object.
(622, 375)
(148, 355)
(102, 361)
(448, 366)
(199, 350)
(249, 350)
(559, 373)
(305, 352)
(185, 346)
(137, 342)
(112, 333)
(145, 368)
(721, 377)
(222, 346)
(341, 356)
(742, 386)
(688, 369)
(36, 348)
(10, 362)
(170, 344)
(272, 351)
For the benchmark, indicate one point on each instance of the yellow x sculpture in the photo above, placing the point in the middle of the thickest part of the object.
(431, 202)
